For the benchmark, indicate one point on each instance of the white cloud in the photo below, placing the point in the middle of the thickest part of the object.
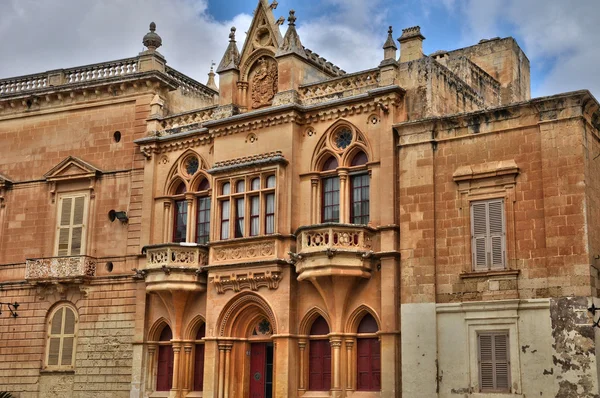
(40, 35)
(558, 34)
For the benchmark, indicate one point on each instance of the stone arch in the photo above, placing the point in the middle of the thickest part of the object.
(310, 317)
(157, 328)
(324, 145)
(174, 183)
(193, 326)
(175, 172)
(59, 304)
(242, 312)
(322, 157)
(252, 59)
(357, 315)
(200, 175)
(352, 151)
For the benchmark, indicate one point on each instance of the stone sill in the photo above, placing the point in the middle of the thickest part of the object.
(57, 371)
(487, 274)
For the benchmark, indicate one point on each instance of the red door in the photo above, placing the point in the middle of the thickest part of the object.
(164, 377)
(368, 365)
(319, 365)
(199, 368)
(258, 356)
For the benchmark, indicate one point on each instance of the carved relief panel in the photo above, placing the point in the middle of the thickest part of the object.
(263, 82)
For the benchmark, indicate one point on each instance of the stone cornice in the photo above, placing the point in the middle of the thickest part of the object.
(249, 161)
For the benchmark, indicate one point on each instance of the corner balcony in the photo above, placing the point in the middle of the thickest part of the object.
(60, 269)
(174, 266)
(335, 250)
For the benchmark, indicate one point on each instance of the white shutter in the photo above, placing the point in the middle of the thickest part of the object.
(61, 338)
(494, 362)
(488, 236)
(479, 234)
(496, 233)
(71, 225)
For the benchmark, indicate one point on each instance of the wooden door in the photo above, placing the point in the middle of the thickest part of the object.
(199, 368)
(319, 365)
(258, 356)
(164, 376)
(368, 365)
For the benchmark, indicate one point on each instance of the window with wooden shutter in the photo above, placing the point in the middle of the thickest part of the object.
(488, 234)
(494, 362)
(62, 328)
(72, 215)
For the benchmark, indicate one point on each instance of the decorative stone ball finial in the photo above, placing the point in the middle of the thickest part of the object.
(232, 35)
(152, 40)
(292, 18)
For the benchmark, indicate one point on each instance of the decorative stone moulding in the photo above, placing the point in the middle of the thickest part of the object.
(71, 268)
(246, 280)
(244, 251)
(335, 250)
(174, 266)
(345, 86)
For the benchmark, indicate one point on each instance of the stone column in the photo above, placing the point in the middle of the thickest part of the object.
(314, 203)
(187, 380)
(150, 365)
(227, 372)
(167, 222)
(221, 371)
(350, 365)
(344, 197)
(191, 227)
(176, 359)
(302, 347)
(336, 345)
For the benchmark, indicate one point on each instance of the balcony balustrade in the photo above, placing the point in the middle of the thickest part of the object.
(72, 268)
(175, 266)
(335, 250)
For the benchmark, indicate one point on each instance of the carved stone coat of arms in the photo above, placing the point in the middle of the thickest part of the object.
(264, 83)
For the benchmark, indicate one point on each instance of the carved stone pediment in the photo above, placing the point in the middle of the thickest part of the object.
(70, 169)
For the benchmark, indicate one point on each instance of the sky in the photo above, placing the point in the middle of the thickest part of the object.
(560, 37)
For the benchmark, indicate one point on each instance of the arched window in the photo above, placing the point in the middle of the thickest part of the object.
(330, 192)
(319, 353)
(203, 212)
(251, 205)
(359, 188)
(180, 217)
(62, 330)
(164, 371)
(368, 362)
(199, 359)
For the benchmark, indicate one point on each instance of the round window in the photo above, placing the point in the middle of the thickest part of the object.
(191, 165)
(342, 138)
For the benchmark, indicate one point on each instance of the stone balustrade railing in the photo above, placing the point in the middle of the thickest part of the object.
(23, 83)
(175, 255)
(101, 71)
(326, 237)
(345, 86)
(190, 86)
(54, 268)
(188, 120)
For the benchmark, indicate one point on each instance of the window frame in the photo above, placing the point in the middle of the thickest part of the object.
(492, 334)
(85, 218)
(61, 336)
(489, 236)
(192, 202)
(246, 197)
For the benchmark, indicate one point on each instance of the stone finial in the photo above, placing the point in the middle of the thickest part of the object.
(292, 18)
(274, 5)
(291, 41)
(151, 39)
(389, 48)
(390, 43)
(211, 78)
(231, 58)
(280, 21)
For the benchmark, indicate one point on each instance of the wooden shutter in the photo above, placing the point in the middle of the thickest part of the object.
(488, 234)
(494, 364)
(71, 226)
(61, 338)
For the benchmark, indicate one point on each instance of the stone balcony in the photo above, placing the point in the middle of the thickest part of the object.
(60, 269)
(175, 266)
(335, 250)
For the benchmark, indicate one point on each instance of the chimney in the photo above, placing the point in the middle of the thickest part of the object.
(411, 44)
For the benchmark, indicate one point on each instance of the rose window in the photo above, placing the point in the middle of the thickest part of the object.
(191, 165)
(343, 138)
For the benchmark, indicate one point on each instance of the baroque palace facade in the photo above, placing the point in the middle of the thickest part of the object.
(420, 229)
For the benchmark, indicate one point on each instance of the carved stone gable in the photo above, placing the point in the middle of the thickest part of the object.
(71, 168)
(264, 82)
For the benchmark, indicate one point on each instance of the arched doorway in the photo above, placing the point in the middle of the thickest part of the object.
(246, 348)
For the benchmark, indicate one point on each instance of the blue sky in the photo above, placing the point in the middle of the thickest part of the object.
(558, 36)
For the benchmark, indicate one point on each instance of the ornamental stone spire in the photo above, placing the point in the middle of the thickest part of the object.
(231, 58)
(390, 48)
(291, 43)
(151, 39)
(211, 78)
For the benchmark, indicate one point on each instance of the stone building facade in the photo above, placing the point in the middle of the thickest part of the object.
(419, 229)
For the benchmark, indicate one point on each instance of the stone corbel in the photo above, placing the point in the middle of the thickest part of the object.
(148, 150)
(252, 280)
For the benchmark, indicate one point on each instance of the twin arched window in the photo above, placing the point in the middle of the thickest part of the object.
(333, 192)
(62, 331)
(198, 223)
